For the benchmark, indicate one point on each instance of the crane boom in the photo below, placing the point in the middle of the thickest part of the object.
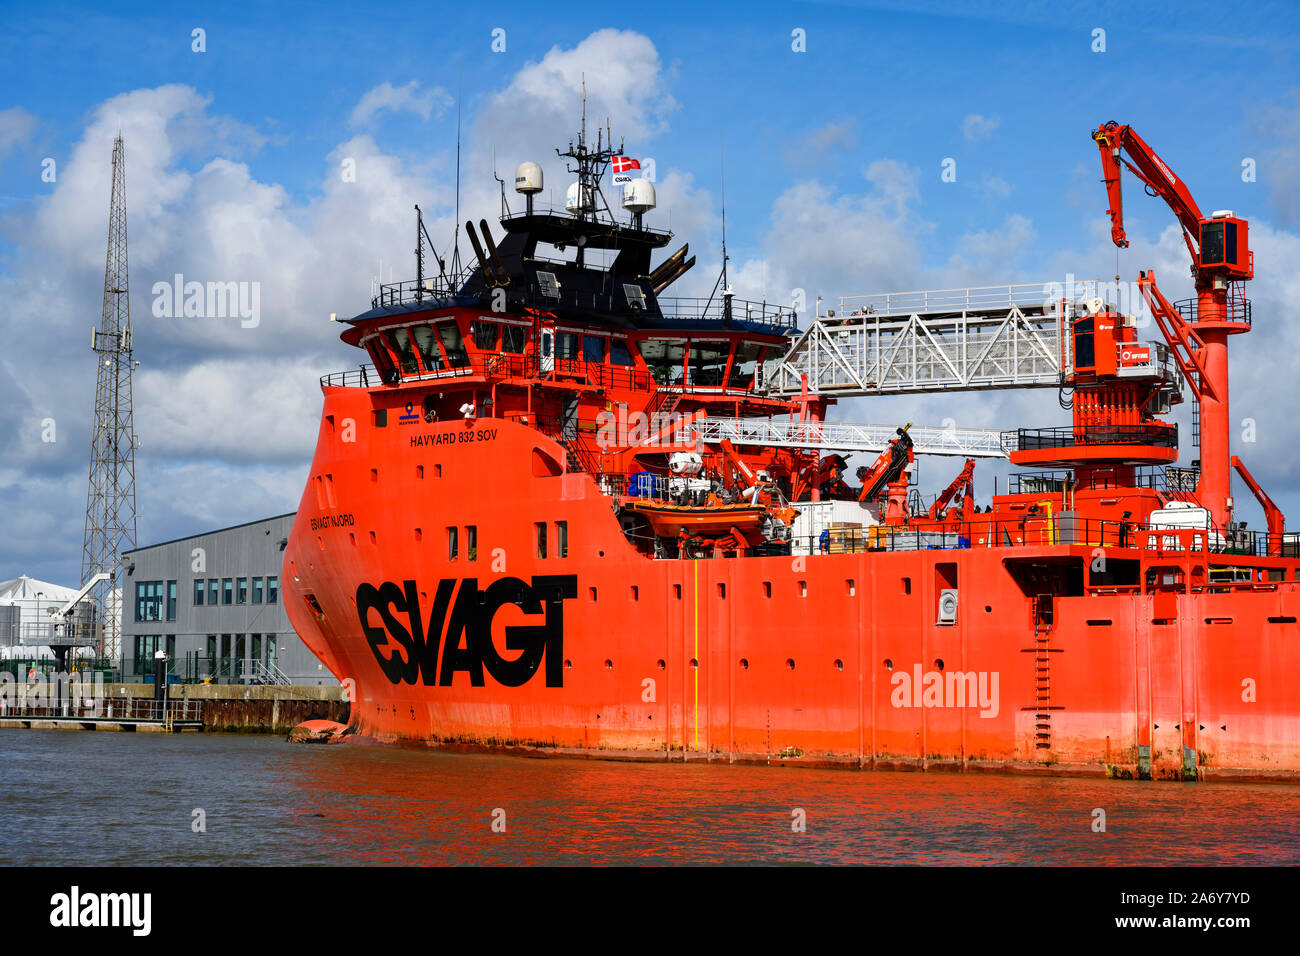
(963, 480)
(1113, 141)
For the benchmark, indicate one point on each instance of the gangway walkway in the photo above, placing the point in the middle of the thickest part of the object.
(854, 436)
(1008, 336)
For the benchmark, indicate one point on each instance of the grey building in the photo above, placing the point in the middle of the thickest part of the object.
(213, 603)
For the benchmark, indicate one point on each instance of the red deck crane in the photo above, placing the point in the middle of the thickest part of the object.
(1198, 333)
(963, 481)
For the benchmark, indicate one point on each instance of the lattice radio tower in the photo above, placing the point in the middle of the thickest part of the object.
(110, 501)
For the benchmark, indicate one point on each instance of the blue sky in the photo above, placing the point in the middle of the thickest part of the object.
(833, 161)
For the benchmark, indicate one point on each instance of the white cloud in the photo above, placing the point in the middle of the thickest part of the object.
(833, 244)
(814, 147)
(398, 99)
(16, 128)
(996, 187)
(976, 127)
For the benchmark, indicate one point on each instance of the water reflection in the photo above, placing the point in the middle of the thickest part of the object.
(267, 802)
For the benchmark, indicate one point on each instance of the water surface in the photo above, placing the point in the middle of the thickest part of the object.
(79, 798)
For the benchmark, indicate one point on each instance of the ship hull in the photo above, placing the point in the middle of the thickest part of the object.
(821, 660)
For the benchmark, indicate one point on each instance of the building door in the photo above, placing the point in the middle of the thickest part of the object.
(223, 667)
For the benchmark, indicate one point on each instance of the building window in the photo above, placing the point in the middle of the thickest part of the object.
(227, 591)
(199, 590)
(257, 590)
(561, 539)
(272, 590)
(241, 590)
(471, 542)
(145, 648)
(453, 543)
(270, 650)
(171, 600)
(541, 538)
(148, 600)
(212, 592)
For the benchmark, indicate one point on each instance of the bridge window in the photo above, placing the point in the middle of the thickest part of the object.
(485, 335)
(744, 364)
(561, 539)
(541, 538)
(593, 348)
(452, 344)
(471, 542)
(566, 345)
(665, 358)
(708, 362)
(399, 340)
(619, 353)
(430, 354)
(512, 339)
(453, 543)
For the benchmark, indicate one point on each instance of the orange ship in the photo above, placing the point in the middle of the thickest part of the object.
(540, 519)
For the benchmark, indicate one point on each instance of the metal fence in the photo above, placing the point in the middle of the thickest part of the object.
(103, 708)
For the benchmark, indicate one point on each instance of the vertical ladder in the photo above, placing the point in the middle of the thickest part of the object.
(1042, 651)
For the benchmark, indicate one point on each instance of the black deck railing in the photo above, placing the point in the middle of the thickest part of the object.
(1177, 482)
(686, 309)
(1236, 309)
(411, 290)
(1162, 436)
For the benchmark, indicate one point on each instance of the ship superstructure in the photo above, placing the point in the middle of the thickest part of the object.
(561, 509)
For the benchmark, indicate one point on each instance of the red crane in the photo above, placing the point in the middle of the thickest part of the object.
(963, 481)
(1198, 333)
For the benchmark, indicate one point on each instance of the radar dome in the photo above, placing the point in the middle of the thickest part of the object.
(579, 199)
(528, 179)
(639, 196)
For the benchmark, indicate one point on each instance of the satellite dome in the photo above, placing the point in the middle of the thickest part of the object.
(528, 179)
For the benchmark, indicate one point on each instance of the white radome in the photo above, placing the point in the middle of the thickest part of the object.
(528, 179)
(639, 196)
(573, 205)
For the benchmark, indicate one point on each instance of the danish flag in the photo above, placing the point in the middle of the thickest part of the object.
(622, 164)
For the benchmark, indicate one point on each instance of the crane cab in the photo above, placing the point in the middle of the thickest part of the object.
(1225, 249)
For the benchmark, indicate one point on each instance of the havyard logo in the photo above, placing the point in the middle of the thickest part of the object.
(406, 644)
(77, 909)
(946, 689)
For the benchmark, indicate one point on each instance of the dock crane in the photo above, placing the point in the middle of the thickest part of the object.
(1198, 333)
